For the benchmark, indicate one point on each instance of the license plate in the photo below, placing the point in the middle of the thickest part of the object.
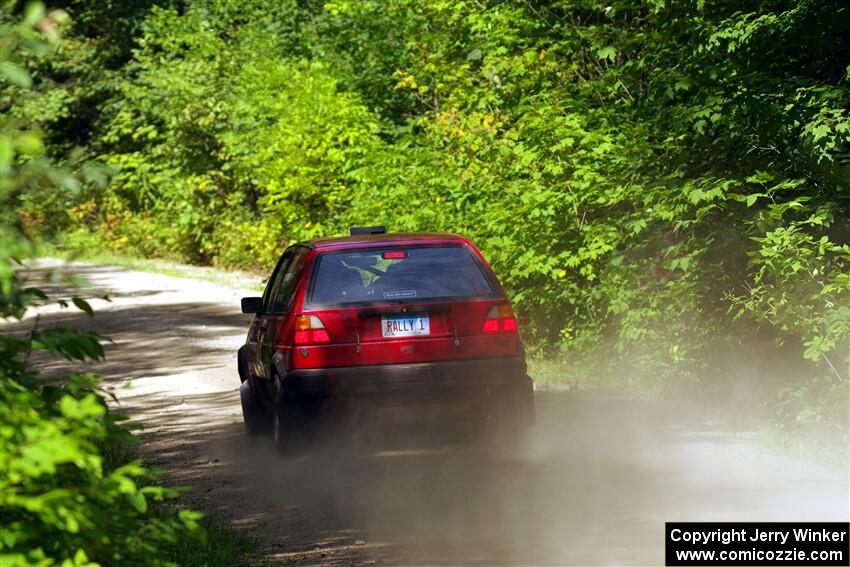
(405, 326)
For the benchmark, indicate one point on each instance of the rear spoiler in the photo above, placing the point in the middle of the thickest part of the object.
(360, 230)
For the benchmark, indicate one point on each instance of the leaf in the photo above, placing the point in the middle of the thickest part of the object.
(474, 55)
(30, 143)
(138, 501)
(15, 75)
(820, 131)
(7, 154)
(608, 52)
(761, 177)
(34, 12)
(83, 305)
(696, 196)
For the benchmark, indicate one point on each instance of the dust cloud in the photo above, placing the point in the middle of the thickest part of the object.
(594, 485)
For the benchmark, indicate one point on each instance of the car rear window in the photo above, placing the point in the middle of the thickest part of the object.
(399, 274)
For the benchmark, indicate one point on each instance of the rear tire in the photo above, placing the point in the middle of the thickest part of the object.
(257, 421)
(288, 424)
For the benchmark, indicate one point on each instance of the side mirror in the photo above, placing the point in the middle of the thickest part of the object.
(252, 305)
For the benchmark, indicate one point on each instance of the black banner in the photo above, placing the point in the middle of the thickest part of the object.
(762, 544)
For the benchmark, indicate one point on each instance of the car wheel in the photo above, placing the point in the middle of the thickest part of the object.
(256, 419)
(287, 424)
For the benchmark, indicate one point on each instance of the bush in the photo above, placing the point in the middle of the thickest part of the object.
(70, 493)
(64, 497)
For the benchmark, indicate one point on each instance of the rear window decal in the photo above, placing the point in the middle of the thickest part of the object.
(400, 294)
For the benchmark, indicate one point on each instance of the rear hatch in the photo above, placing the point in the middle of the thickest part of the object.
(404, 304)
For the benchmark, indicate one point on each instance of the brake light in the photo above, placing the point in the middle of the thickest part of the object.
(394, 255)
(500, 318)
(309, 330)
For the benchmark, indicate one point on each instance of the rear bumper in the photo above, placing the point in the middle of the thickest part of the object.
(420, 383)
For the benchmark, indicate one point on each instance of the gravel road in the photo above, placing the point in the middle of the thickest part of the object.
(594, 486)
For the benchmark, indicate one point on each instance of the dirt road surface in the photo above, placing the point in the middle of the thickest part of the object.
(595, 485)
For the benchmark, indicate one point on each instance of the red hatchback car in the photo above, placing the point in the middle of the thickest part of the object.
(414, 322)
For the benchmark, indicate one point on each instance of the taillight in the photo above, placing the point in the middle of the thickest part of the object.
(500, 319)
(309, 330)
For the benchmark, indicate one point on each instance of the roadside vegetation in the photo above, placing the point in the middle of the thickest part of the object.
(72, 491)
(231, 277)
(663, 186)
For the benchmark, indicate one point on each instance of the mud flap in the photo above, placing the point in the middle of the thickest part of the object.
(289, 422)
(242, 364)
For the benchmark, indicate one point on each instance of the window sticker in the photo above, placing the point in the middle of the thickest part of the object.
(401, 294)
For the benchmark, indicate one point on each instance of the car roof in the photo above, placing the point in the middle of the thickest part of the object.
(402, 238)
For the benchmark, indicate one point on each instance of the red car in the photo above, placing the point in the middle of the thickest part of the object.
(380, 323)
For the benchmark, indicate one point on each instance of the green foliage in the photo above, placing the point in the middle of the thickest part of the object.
(71, 493)
(62, 501)
(654, 182)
